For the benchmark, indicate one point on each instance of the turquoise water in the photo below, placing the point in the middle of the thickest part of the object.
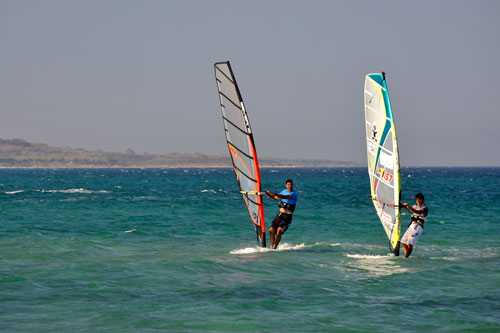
(173, 250)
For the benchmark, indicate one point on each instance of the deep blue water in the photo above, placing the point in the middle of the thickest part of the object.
(173, 250)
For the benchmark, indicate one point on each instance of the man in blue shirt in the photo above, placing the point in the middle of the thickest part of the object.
(287, 204)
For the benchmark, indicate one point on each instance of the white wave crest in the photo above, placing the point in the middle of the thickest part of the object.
(249, 250)
(212, 191)
(281, 247)
(288, 247)
(74, 190)
(367, 256)
(376, 265)
(14, 192)
(445, 258)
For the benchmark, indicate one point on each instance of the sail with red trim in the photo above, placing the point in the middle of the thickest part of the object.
(383, 157)
(241, 146)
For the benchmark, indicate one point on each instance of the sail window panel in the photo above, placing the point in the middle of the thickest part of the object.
(388, 144)
(228, 89)
(233, 115)
(385, 193)
(239, 140)
(224, 75)
(225, 69)
(241, 152)
(246, 183)
(244, 165)
(253, 211)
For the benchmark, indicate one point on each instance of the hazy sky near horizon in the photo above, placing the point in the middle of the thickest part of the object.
(114, 75)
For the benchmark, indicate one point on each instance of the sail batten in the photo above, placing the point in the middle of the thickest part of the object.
(383, 157)
(241, 146)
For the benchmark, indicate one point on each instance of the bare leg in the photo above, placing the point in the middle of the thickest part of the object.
(407, 253)
(272, 234)
(408, 249)
(278, 238)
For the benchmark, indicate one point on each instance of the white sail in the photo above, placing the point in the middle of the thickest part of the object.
(383, 158)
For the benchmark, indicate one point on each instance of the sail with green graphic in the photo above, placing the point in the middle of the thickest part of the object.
(383, 157)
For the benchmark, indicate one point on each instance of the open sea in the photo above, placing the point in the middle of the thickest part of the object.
(126, 250)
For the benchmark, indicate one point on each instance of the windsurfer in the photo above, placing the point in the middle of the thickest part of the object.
(282, 221)
(416, 227)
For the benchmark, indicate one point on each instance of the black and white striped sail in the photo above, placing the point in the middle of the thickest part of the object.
(383, 158)
(241, 146)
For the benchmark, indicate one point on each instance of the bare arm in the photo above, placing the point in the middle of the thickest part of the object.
(416, 211)
(411, 209)
(276, 196)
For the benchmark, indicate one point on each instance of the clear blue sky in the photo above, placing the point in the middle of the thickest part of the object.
(113, 75)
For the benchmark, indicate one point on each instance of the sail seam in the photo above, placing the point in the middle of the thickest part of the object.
(255, 203)
(244, 174)
(227, 77)
(234, 125)
(230, 100)
(239, 150)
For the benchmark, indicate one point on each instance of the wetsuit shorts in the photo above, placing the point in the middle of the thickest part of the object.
(282, 221)
(412, 234)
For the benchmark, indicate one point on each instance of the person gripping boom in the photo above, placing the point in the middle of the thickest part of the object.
(416, 227)
(283, 220)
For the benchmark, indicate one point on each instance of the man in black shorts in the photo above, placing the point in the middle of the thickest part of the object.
(287, 204)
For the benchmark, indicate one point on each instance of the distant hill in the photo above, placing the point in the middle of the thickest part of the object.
(22, 154)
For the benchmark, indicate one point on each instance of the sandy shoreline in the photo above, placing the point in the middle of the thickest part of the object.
(187, 166)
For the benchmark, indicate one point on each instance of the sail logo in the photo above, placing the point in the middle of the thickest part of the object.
(374, 132)
(385, 175)
(371, 148)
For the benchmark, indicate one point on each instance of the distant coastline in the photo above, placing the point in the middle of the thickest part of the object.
(18, 153)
